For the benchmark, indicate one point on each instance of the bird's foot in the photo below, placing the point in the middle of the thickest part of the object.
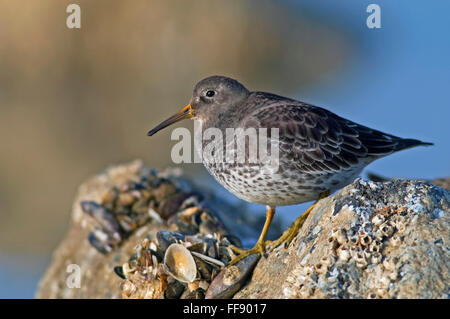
(260, 248)
(290, 234)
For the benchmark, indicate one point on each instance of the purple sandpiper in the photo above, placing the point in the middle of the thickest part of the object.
(319, 151)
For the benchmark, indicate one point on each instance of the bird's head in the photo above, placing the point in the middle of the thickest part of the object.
(212, 95)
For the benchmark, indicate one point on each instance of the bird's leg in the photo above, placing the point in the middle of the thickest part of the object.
(289, 234)
(260, 245)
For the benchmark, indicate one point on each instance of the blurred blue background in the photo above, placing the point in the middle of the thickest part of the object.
(395, 79)
(398, 83)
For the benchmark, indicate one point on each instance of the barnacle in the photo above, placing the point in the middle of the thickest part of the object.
(360, 260)
(375, 258)
(386, 229)
(395, 240)
(378, 219)
(343, 253)
(375, 246)
(364, 239)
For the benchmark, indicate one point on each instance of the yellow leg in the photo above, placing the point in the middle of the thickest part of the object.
(289, 234)
(260, 244)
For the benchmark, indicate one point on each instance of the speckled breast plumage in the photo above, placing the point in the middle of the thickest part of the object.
(288, 186)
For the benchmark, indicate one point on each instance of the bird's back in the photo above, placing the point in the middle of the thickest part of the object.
(311, 127)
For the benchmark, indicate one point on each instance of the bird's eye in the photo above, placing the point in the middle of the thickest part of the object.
(210, 93)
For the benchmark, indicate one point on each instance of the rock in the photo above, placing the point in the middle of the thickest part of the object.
(370, 240)
(441, 182)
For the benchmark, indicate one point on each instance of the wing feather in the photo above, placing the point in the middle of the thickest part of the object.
(317, 139)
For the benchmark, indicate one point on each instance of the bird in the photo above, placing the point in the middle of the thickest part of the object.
(319, 152)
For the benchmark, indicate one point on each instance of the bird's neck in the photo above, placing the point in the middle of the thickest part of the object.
(231, 117)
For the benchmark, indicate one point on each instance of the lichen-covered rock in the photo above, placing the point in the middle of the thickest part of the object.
(371, 240)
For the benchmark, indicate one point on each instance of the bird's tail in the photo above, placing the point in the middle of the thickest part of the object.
(405, 143)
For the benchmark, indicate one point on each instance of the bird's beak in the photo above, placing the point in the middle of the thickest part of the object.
(186, 113)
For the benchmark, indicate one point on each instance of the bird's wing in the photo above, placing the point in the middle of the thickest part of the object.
(319, 140)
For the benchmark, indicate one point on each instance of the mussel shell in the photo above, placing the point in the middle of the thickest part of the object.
(105, 218)
(125, 199)
(101, 243)
(140, 206)
(126, 223)
(234, 240)
(198, 247)
(119, 272)
(166, 238)
(231, 278)
(210, 249)
(195, 294)
(180, 224)
(208, 223)
(174, 289)
(204, 269)
(171, 205)
(109, 198)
